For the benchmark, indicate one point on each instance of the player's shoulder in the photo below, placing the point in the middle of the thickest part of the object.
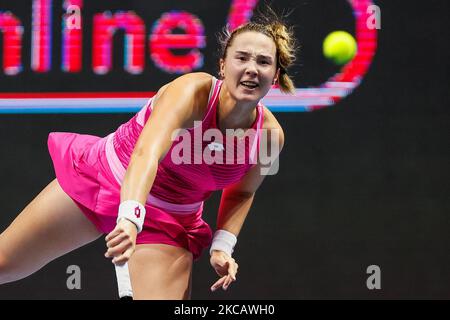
(197, 80)
(198, 83)
(273, 127)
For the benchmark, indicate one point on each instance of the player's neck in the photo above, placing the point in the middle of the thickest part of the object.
(234, 115)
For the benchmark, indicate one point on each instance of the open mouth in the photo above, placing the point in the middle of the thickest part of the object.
(249, 85)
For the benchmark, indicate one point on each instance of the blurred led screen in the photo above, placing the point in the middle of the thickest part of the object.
(62, 56)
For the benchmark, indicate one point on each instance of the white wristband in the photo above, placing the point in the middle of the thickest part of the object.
(132, 211)
(224, 241)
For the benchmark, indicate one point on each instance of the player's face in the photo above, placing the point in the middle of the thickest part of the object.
(249, 68)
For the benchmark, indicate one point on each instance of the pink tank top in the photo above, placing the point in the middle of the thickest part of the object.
(185, 178)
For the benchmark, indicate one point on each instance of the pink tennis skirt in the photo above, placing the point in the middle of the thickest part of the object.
(83, 173)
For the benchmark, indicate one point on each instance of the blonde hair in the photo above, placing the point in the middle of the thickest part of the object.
(271, 25)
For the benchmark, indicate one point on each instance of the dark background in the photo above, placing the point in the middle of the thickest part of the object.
(365, 182)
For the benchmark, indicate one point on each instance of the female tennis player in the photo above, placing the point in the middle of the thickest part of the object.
(132, 186)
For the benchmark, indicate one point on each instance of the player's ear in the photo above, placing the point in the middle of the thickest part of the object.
(222, 68)
(277, 76)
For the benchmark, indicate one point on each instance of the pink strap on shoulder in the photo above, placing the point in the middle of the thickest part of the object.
(257, 141)
(213, 96)
(140, 119)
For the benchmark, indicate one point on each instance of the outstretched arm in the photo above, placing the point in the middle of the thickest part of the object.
(234, 206)
(175, 107)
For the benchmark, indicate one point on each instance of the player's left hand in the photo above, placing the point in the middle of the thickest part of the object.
(121, 242)
(226, 267)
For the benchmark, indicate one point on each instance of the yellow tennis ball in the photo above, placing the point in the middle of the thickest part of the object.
(340, 47)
